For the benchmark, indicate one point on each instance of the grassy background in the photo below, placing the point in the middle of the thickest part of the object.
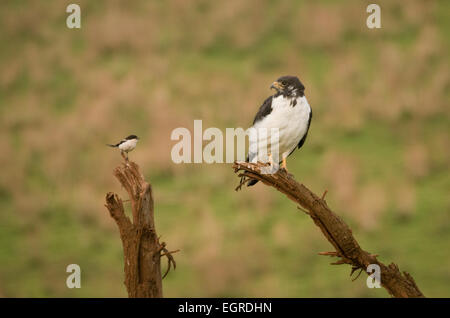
(379, 141)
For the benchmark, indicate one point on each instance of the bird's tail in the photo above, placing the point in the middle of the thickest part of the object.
(252, 182)
(114, 146)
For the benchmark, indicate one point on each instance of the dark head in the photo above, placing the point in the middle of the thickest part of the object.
(132, 137)
(289, 86)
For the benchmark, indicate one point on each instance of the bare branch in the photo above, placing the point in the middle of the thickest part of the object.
(142, 250)
(335, 230)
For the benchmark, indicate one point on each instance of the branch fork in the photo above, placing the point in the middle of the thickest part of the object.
(142, 249)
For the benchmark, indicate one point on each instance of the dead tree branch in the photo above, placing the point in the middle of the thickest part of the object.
(141, 246)
(333, 227)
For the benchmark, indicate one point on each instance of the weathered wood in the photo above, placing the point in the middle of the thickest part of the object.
(336, 231)
(141, 246)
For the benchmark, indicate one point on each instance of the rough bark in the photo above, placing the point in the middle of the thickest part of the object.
(141, 246)
(336, 231)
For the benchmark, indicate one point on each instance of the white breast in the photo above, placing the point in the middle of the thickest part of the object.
(292, 124)
(128, 145)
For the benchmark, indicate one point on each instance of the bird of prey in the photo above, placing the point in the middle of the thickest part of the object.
(288, 112)
(126, 145)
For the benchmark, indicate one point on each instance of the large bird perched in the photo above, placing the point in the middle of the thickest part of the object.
(286, 112)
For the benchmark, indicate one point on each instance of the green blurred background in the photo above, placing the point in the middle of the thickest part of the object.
(379, 141)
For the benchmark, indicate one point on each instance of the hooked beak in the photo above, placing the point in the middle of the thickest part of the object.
(277, 86)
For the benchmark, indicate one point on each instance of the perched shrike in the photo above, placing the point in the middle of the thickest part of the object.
(126, 145)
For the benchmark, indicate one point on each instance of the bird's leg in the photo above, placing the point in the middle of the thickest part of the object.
(283, 164)
(270, 160)
(271, 164)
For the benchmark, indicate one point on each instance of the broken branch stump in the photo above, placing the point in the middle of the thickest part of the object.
(141, 246)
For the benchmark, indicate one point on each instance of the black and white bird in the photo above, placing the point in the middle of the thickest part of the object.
(288, 113)
(126, 145)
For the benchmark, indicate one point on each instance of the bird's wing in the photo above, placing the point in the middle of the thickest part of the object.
(118, 144)
(264, 110)
(302, 141)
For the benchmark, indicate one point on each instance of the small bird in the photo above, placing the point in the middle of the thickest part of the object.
(289, 112)
(126, 145)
